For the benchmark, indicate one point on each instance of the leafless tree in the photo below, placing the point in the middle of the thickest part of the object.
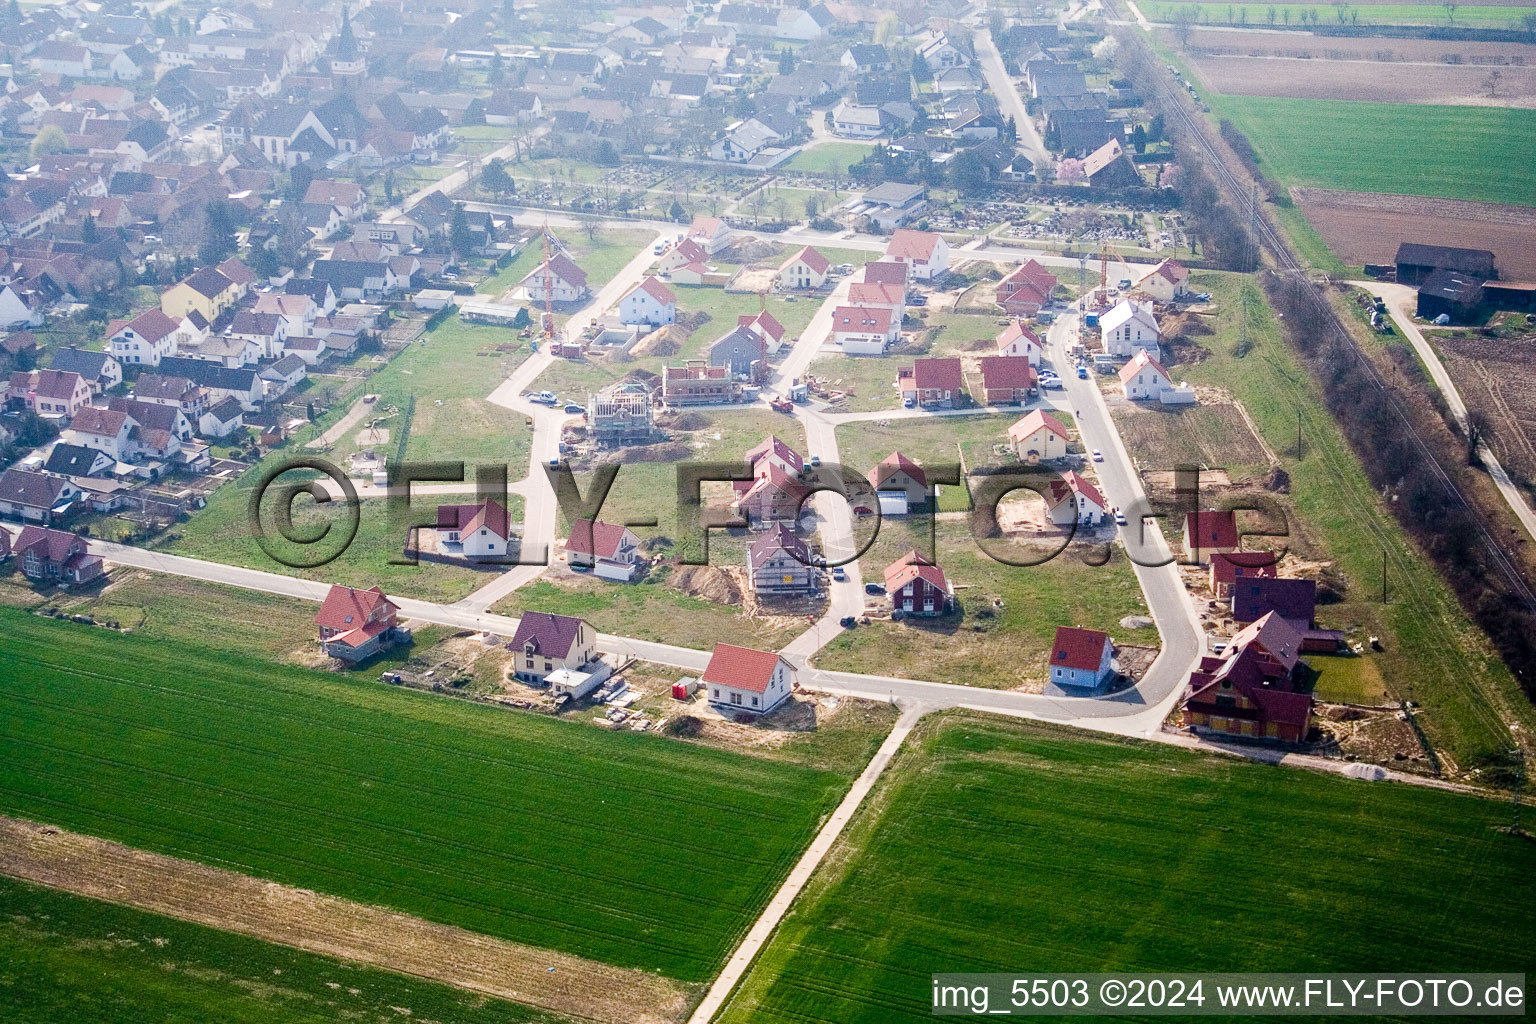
(1478, 428)
(1491, 83)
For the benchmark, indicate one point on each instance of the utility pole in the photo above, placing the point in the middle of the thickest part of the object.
(1383, 575)
(1518, 791)
(1298, 433)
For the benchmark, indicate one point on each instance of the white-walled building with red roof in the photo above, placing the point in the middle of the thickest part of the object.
(1144, 377)
(1039, 437)
(741, 679)
(1081, 658)
(482, 530)
(1075, 498)
(649, 302)
(805, 270)
(865, 330)
(925, 252)
(1165, 282)
(356, 624)
(1018, 340)
(610, 550)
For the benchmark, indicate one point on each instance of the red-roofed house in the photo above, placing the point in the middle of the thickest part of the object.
(1006, 380)
(864, 330)
(766, 327)
(900, 484)
(925, 251)
(773, 497)
(773, 452)
(1073, 498)
(874, 294)
(933, 383)
(1210, 532)
(610, 550)
(1252, 688)
(682, 254)
(1081, 658)
(918, 587)
(710, 232)
(1027, 290)
(1039, 437)
(1018, 340)
(482, 530)
(1228, 568)
(357, 624)
(649, 302)
(545, 643)
(804, 270)
(1165, 282)
(52, 394)
(1144, 377)
(887, 272)
(55, 556)
(555, 280)
(741, 679)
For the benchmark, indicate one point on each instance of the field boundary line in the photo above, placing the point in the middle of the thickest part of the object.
(328, 925)
(762, 930)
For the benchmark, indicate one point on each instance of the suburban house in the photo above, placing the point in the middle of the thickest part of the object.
(742, 351)
(54, 556)
(1018, 340)
(265, 331)
(1026, 290)
(73, 460)
(741, 679)
(1130, 327)
(1110, 166)
(766, 327)
(649, 302)
(1231, 567)
(865, 330)
(774, 453)
(356, 624)
(223, 419)
(1167, 281)
(925, 252)
(356, 280)
(114, 434)
(243, 384)
(207, 291)
(1144, 377)
(939, 52)
(900, 485)
(1081, 658)
(546, 643)
(711, 233)
(779, 565)
(611, 551)
(1252, 688)
(744, 141)
(99, 369)
(933, 383)
(879, 295)
(1038, 437)
(1006, 380)
(682, 254)
(557, 279)
(35, 497)
(917, 587)
(1294, 600)
(804, 270)
(52, 394)
(1074, 499)
(772, 496)
(481, 530)
(1210, 532)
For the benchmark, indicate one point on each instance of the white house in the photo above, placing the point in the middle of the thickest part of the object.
(1073, 498)
(741, 679)
(113, 433)
(1018, 340)
(144, 340)
(864, 330)
(1129, 328)
(804, 270)
(1165, 282)
(680, 255)
(857, 120)
(15, 311)
(481, 530)
(609, 550)
(1144, 377)
(649, 302)
(925, 252)
(1038, 437)
(557, 279)
(939, 52)
(712, 233)
(1081, 658)
(742, 141)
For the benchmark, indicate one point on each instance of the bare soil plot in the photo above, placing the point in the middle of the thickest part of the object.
(1498, 377)
(1367, 227)
(1211, 434)
(334, 927)
(1363, 79)
(1297, 44)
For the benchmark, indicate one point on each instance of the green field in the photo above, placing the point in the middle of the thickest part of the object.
(999, 846)
(625, 848)
(828, 157)
(1256, 14)
(68, 959)
(1413, 149)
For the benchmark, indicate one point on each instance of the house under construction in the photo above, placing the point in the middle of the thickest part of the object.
(620, 414)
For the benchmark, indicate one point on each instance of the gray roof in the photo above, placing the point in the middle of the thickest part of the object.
(90, 365)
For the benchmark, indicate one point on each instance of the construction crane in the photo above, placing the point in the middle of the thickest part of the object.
(549, 287)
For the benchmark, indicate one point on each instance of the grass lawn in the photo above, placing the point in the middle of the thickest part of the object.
(992, 844)
(602, 255)
(620, 847)
(986, 645)
(69, 959)
(829, 157)
(930, 441)
(1317, 143)
(1258, 14)
(1432, 653)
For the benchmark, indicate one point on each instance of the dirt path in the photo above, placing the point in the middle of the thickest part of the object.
(335, 927)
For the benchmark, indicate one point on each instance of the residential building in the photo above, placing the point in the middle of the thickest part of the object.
(54, 556)
(779, 565)
(35, 497)
(917, 587)
(144, 340)
(114, 434)
(1144, 378)
(479, 531)
(620, 414)
(1210, 532)
(1130, 327)
(1026, 290)
(1019, 341)
(698, 383)
(1038, 437)
(711, 233)
(52, 394)
(931, 382)
(865, 330)
(891, 204)
(1110, 166)
(1081, 658)
(743, 352)
(1166, 282)
(545, 643)
(805, 270)
(900, 485)
(1006, 380)
(557, 279)
(772, 496)
(740, 679)
(206, 291)
(356, 624)
(925, 252)
(1232, 567)
(649, 302)
(98, 369)
(611, 551)
(1072, 499)
(1254, 688)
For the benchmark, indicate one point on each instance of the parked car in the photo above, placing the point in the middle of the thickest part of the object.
(874, 588)
(815, 460)
(554, 463)
(1098, 456)
(547, 397)
(848, 622)
(1082, 373)
(1119, 518)
(574, 408)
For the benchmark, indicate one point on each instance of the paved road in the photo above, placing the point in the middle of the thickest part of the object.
(1008, 98)
(1400, 300)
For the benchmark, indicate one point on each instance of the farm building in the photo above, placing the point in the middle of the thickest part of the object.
(1451, 294)
(741, 679)
(804, 270)
(649, 302)
(1038, 437)
(1251, 689)
(545, 642)
(933, 383)
(610, 550)
(779, 565)
(917, 587)
(356, 624)
(1416, 261)
(1006, 380)
(1211, 532)
(482, 530)
(900, 485)
(1081, 658)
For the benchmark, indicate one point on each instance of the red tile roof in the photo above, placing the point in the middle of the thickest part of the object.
(811, 258)
(1226, 566)
(348, 607)
(763, 322)
(1033, 422)
(911, 566)
(50, 545)
(1069, 484)
(741, 667)
(1013, 332)
(912, 245)
(875, 319)
(595, 538)
(1213, 528)
(489, 513)
(861, 293)
(936, 374)
(1006, 372)
(1078, 648)
(887, 272)
(773, 445)
(656, 290)
(1141, 361)
(893, 463)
